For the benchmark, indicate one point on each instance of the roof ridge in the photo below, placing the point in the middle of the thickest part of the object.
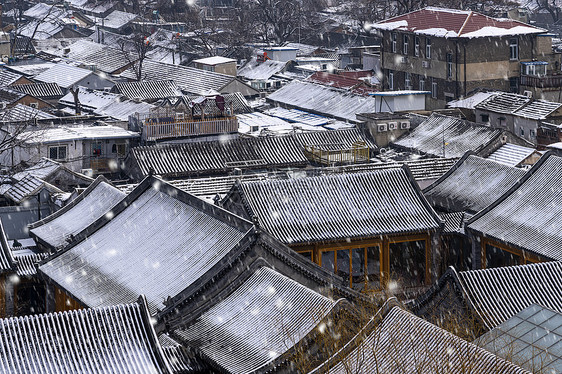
(465, 22)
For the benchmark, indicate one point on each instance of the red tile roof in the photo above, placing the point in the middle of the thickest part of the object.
(341, 81)
(455, 23)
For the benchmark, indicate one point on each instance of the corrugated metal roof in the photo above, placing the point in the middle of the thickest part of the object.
(472, 184)
(500, 293)
(258, 322)
(340, 81)
(528, 216)
(218, 156)
(339, 207)
(156, 242)
(104, 340)
(322, 99)
(404, 343)
(511, 154)
(41, 90)
(299, 116)
(148, 90)
(62, 74)
(192, 80)
(537, 109)
(459, 136)
(68, 221)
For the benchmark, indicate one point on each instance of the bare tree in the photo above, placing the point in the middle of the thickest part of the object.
(140, 45)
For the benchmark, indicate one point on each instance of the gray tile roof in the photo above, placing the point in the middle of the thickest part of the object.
(342, 139)
(192, 80)
(471, 185)
(43, 91)
(103, 340)
(148, 90)
(454, 222)
(404, 343)
(528, 215)
(27, 187)
(511, 154)
(157, 241)
(26, 264)
(74, 217)
(532, 339)
(7, 262)
(62, 74)
(506, 103)
(8, 77)
(236, 99)
(339, 207)
(537, 109)
(23, 113)
(213, 157)
(257, 323)
(459, 136)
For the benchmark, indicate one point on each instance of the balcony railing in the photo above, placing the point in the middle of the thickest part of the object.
(155, 128)
(547, 81)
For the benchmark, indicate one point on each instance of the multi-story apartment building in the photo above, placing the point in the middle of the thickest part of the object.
(452, 52)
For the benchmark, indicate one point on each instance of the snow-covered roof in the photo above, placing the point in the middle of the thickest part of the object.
(41, 90)
(121, 110)
(254, 70)
(84, 210)
(90, 99)
(23, 113)
(41, 30)
(511, 154)
(470, 102)
(148, 90)
(64, 75)
(8, 77)
(44, 12)
(81, 132)
(451, 23)
(325, 100)
(28, 186)
(214, 60)
(117, 19)
(295, 115)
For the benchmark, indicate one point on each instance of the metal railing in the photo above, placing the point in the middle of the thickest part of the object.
(548, 81)
(154, 129)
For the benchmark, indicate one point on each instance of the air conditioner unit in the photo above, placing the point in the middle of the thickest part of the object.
(392, 125)
(382, 127)
(529, 94)
(404, 125)
(404, 59)
(426, 64)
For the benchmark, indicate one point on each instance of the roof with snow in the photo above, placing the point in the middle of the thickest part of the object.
(341, 81)
(321, 99)
(117, 19)
(512, 154)
(470, 102)
(459, 136)
(54, 230)
(43, 91)
(64, 75)
(260, 321)
(528, 215)
(113, 261)
(23, 113)
(471, 185)
(27, 187)
(338, 207)
(396, 341)
(8, 77)
(504, 103)
(254, 70)
(83, 341)
(451, 23)
(148, 90)
(80, 132)
(533, 337)
(214, 60)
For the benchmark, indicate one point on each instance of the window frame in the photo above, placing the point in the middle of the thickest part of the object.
(391, 80)
(449, 58)
(405, 44)
(434, 90)
(393, 39)
(417, 46)
(58, 148)
(513, 49)
(427, 48)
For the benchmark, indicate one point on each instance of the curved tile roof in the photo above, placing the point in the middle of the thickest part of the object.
(528, 215)
(471, 185)
(156, 242)
(93, 203)
(105, 340)
(339, 207)
(404, 343)
(261, 320)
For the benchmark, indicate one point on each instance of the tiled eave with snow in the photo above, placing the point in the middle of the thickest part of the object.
(485, 32)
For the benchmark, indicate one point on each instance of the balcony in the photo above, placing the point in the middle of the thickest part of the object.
(546, 81)
(155, 128)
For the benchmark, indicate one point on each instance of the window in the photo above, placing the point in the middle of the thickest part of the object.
(393, 36)
(514, 85)
(407, 262)
(434, 90)
(359, 267)
(58, 153)
(449, 65)
(522, 130)
(120, 149)
(307, 254)
(497, 257)
(513, 49)
(422, 84)
(408, 80)
(532, 134)
(405, 45)
(484, 118)
(390, 80)
(417, 46)
(96, 149)
(427, 48)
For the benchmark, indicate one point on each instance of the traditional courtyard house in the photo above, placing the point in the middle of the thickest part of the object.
(444, 136)
(99, 148)
(117, 338)
(56, 174)
(118, 22)
(518, 113)
(519, 334)
(8, 78)
(191, 80)
(149, 91)
(522, 225)
(469, 186)
(396, 341)
(369, 228)
(113, 260)
(215, 157)
(481, 300)
(263, 75)
(433, 49)
(48, 92)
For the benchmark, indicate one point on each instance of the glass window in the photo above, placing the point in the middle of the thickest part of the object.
(484, 117)
(417, 46)
(328, 260)
(343, 264)
(513, 49)
(497, 257)
(422, 84)
(522, 130)
(57, 153)
(30, 298)
(393, 36)
(390, 80)
(434, 90)
(373, 267)
(427, 48)
(408, 80)
(449, 65)
(307, 254)
(405, 45)
(407, 263)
